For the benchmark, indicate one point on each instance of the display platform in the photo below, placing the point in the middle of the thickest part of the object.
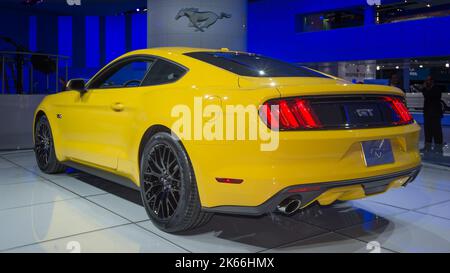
(78, 212)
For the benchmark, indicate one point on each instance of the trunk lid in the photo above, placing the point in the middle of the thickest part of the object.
(291, 87)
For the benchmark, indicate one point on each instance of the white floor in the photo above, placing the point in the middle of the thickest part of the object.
(79, 212)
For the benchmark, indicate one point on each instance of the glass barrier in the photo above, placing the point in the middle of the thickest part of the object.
(32, 73)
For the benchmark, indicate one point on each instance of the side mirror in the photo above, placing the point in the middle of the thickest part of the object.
(77, 85)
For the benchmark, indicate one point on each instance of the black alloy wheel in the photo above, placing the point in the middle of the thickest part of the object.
(168, 185)
(43, 143)
(162, 181)
(44, 148)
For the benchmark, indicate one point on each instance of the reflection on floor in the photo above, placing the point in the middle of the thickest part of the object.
(441, 157)
(79, 212)
(433, 157)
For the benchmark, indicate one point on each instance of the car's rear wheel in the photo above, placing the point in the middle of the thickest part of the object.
(44, 148)
(168, 186)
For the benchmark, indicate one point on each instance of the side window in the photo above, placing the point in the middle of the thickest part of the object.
(163, 72)
(129, 74)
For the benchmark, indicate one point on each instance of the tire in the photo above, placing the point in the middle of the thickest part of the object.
(44, 148)
(168, 186)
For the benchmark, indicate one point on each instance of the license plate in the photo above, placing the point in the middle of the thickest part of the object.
(377, 152)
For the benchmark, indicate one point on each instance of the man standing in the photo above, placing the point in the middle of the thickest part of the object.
(432, 113)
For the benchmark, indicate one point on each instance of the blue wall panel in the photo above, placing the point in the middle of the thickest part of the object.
(65, 36)
(139, 31)
(14, 26)
(92, 41)
(47, 34)
(79, 41)
(115, 37)
(32, 28)
(274, 33)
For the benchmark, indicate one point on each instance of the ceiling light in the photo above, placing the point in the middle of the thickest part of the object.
(421, 66)
(447, 65)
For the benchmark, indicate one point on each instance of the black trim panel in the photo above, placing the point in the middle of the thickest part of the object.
(371, 185)
(103, 174)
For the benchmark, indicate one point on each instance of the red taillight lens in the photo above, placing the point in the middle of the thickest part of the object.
(289, 114)
(310, 119)
(398, 105)
(229, 180)
(287, 118)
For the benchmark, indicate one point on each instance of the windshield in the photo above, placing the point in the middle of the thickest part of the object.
(252, 65)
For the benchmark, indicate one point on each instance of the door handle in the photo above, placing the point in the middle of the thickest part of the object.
(118, 107)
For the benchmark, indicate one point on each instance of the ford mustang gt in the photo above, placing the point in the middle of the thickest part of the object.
(159, 120)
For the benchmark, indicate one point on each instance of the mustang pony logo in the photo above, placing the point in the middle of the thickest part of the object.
(378, 151)
(201, 20)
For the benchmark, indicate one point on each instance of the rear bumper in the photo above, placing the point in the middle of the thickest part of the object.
(302, 158)
(326, 192)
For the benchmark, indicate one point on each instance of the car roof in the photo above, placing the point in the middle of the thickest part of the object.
(173, 50)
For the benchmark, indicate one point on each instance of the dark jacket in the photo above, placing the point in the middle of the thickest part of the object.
(432, 103)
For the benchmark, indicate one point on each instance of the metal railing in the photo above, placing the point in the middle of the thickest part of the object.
(32, 73)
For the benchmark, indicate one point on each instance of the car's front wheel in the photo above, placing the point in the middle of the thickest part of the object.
(44, 148)
(168, 185)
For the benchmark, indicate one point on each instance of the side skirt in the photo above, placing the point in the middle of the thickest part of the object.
(103, 174)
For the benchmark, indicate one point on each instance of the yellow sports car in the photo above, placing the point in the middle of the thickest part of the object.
(202, 131)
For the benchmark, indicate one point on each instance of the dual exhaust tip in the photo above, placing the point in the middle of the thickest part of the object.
(289, 205)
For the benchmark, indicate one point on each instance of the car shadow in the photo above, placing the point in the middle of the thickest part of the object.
(272, 230)
(107, 186)
(275, 230)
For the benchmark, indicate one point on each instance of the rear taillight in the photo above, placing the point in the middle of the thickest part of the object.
(398, 105)
(289, 114)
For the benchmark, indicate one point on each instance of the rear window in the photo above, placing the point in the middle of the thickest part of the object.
(252, 65)
(163, 72)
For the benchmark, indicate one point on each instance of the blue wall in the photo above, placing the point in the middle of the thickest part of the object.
(115, 37)
(14, 26)
(93, 40)
(90, 41)
(65, 34)
(32, 29)
(271, 31)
